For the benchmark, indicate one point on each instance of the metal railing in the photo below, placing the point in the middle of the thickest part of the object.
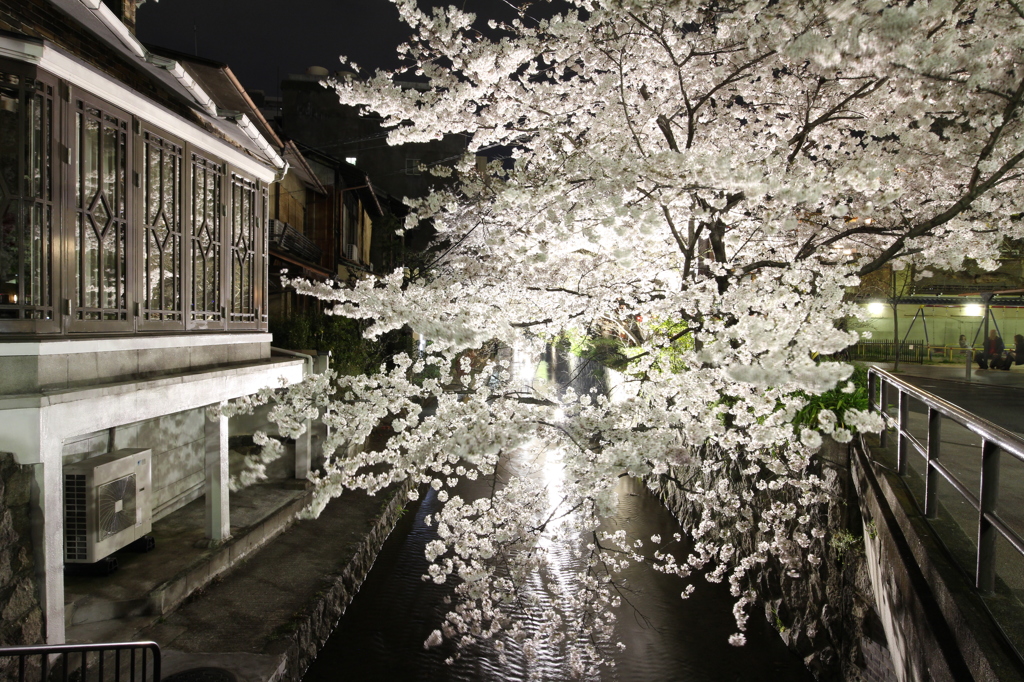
(884, 351)
(995, 441)
(288, 239)
(128, 661)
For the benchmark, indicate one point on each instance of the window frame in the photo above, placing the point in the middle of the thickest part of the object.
(28, 74)
(142, 231)
(78, 101)
(78, 268)
(219, 323)
(255, 257)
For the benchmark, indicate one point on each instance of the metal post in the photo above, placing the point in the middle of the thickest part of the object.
(987, 534)
(987, 298)
(970, 361)
(931, 479)
(901, 434)
(883, 439)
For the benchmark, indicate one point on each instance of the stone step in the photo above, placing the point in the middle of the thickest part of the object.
(87, 610)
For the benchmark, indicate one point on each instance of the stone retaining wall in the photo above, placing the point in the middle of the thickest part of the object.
(827, 616)
(21, 618)
(318, 621)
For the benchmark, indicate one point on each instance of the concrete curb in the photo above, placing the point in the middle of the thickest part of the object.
(317, 621)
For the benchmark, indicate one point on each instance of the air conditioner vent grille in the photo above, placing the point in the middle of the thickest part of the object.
(116, 505)
(75, 530)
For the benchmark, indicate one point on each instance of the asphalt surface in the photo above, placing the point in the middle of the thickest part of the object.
(995, 395)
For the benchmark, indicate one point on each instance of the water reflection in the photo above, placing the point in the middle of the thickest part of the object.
(381, 636)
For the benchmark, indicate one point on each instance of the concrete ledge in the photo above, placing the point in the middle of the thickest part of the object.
(317, 621)
(936, 624)
(168, 595)
(122, 343)
(40, 400)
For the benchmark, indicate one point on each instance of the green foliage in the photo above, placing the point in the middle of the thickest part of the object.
(350, 353)
(872, 529)
(777, 622)
(836, 400)
(679, 340)
(604, 350)
(844, 542)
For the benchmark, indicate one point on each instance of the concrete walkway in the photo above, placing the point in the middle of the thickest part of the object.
(995, 395)
(268, 616)
(260, 605)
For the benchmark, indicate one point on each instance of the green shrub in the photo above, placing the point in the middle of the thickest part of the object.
(836, 400)
(342, 336)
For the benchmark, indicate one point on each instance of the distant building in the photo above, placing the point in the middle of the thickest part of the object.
(312, 115)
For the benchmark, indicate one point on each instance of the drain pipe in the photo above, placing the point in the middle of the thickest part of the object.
(307, 358)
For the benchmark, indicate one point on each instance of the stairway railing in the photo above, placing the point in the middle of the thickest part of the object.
(116, 661)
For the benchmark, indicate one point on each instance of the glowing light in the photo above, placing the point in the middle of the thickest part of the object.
(876, 307)
(974, 310)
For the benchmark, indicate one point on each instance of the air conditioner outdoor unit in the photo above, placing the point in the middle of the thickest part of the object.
(107, 504)
(352, 252)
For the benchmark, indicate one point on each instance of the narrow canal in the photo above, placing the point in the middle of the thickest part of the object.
(381, 635)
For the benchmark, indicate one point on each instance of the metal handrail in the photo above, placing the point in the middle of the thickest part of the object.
(994, 441)
(65, 651)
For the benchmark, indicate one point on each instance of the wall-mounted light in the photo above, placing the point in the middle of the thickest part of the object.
(974, 310)
(351, 160)
(876, 307)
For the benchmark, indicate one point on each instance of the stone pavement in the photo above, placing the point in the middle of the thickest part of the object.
(259, 606)
(267, 617)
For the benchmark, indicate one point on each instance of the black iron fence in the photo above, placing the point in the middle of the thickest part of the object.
(116, 662)
(885, 351)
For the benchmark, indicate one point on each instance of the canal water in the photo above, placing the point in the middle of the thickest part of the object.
(381, 635)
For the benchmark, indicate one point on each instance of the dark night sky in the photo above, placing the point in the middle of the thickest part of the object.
(262, 40)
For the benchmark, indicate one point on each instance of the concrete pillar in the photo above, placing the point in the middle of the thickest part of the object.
(48, 536)
(218, 518)
(304, 452)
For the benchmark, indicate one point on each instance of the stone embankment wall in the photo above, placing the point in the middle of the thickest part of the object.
(21, 619)
(318, 620)
(828, 616)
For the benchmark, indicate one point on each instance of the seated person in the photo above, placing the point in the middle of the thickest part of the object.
(1017, 354)
(992, 353)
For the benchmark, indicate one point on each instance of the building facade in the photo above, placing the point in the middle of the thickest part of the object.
(134, 249)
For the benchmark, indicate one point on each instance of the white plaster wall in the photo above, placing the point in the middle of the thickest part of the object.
(178, 442)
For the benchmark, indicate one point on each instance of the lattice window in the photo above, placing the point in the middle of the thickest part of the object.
(207, 265)
(245, 236)
(101, 221)
(161, 214)
(26, 204)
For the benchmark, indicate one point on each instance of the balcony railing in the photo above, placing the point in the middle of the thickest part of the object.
(967, 476)
(121, 661)
(286, 238)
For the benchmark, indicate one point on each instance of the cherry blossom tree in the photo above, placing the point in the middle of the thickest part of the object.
(721, 172)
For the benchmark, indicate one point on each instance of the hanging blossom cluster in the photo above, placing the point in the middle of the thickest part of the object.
(711, 178)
